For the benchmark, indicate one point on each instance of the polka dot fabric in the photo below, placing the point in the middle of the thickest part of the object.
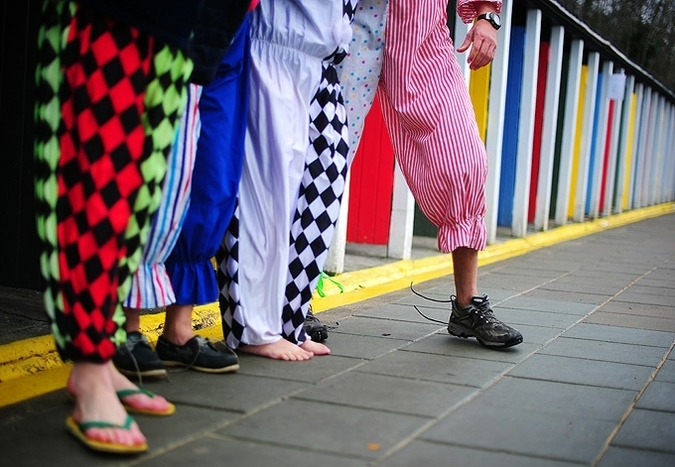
(360, 72)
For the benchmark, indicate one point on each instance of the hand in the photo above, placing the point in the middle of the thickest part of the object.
(482, 38)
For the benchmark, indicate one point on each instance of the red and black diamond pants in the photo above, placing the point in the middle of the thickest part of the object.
(108, 99)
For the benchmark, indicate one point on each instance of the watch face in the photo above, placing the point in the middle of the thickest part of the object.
(494, 17)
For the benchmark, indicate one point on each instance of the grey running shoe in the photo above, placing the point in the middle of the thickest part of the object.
(477, 320)
(137, 358)
(315, 329)
(198, 354)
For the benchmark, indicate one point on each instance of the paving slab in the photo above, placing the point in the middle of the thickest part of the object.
(541, 266)
(629, 320)
(603, 286)
(525, 302)
(656, 282)
(390, 328)
(633, 265)
(594, 272)
(327, 427)
(557, 399)
(648, 429)
(583, 372)
(443, 343)
(510, 281)
(539, 335)
(622, 457)
(518, 316)
(662, 290)
(426, 453)
(388, 393)
(406, 312)
(312, 371)
(522, 432)
(405, 363)
(635, 354)
(570, 296)
(363, 347)
(221, 450)
(619, 334)
(638, 308)
(231, 391)
(644, 299)
(658, 396)
(667, 371)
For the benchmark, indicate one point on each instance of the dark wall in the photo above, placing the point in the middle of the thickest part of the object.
(18, 240)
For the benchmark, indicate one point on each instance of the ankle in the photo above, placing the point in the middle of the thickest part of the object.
(462, 303)
(178, 337)
(178, 324)
(84, 375)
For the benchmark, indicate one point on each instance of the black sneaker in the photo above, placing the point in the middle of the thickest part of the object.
(477, 320)
(199, 354)
(137, 358)
(315, 329)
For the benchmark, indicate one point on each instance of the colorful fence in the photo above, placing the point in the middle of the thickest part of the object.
(599, 138)
(574, 130)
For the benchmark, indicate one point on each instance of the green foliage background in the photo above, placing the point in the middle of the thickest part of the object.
(644, 30)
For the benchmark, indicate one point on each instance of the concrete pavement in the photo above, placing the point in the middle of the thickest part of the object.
(593, 383)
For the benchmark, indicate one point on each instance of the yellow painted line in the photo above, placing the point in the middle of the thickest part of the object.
(31, 367)
(33, 385)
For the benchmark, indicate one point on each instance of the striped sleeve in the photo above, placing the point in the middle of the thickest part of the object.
(466, 9)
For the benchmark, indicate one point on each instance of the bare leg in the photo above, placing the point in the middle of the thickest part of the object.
(133, 322)
(465, 265)
(95, 400)
(491, 332)
(178, 324)
(279, 350)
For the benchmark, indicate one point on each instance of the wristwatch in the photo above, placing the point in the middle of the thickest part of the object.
(492, 18)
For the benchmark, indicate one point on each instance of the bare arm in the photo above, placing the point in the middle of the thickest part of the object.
(481, 38)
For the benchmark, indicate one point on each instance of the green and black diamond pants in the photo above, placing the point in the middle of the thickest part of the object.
(108, 101)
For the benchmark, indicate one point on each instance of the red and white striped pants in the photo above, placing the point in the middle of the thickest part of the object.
(429, 114)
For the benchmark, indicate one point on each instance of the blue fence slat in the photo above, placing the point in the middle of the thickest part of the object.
(511, 115)
(594, 142)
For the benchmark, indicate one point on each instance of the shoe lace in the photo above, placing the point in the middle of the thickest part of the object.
(483, 312)
(310, 317)
(201, 342)
(129, 345)
(197, 352)
(320, 284)
(431, 299)
(313, 319)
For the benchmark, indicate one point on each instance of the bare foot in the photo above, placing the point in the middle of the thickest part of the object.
(316, 348)
(96, 400)
(140, 401)
(279, 350)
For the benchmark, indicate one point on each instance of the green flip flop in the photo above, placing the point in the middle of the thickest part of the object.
(79, 431)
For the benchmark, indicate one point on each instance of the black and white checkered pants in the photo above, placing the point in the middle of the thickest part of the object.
(314, 218)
